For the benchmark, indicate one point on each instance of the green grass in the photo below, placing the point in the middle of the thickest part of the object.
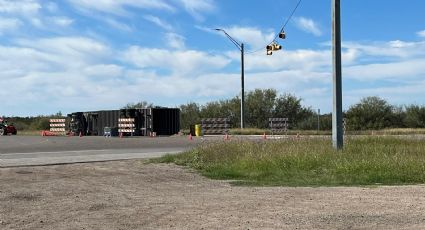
(364, 161)
(29, 132)
(394, 131)
(254, 131)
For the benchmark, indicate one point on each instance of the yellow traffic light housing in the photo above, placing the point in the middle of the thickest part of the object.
(272, 47)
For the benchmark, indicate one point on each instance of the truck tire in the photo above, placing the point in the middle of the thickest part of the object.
(3, 132)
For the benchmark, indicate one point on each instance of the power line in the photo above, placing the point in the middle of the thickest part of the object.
(281, 30)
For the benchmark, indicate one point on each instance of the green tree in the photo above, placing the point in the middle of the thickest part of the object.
(138, 105)
(370, 113)
(189, 115)
(288, 105)
(40, 123)
(259, 105)
(223, 109)
(415, 116)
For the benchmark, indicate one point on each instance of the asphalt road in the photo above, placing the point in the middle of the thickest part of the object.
(36, 150)
(33, 150)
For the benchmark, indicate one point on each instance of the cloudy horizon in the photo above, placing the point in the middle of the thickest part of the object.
(77, 55)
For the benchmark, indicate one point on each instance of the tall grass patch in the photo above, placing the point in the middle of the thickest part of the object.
(311, 162)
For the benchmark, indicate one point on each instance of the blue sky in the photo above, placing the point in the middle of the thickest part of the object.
(79, 55)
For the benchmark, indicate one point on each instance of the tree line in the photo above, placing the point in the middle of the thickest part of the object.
(260, 105)
(370, 113)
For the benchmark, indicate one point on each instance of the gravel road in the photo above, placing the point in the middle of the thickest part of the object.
(134, 195)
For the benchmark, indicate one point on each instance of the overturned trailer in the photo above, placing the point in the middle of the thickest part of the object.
(137, 122)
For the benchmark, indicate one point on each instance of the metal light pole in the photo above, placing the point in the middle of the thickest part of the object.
(337, 131)
(241, 48)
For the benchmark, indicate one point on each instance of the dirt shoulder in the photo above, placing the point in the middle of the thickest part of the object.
(134, 195)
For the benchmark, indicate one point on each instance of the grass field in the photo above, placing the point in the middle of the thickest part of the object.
(311, 162)
(394, 131)
(29, 132)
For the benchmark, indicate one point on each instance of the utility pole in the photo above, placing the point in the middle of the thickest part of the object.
(242, 87)
(337, 131)
(240, 48)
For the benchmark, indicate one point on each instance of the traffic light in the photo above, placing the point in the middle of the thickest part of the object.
(272, 47)
(282, 35)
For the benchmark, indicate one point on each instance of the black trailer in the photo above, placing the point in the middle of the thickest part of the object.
(144, 122)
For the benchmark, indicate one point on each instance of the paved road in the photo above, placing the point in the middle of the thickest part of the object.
(31, 150)
(34, 150)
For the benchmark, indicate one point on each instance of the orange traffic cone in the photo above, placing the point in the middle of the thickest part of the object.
(190, 137)
(226, 137)
(264, 136)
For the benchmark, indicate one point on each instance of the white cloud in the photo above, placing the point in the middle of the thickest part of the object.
(403, 94)
(394, 49)
(119, 7)
(197, 8)
(22, 7)
(252, 36)
(175, 41)
(293, 59)
(288, 59)
(421, 34)
(62, 21)
(103, 71)
(389, 71)
(57, 53)
(159, 22)
(9, 24)
(178, 62)
(52, 7)
(308, 25)
(117, 25)
(37, 22)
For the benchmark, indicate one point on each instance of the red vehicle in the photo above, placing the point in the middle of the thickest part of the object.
(6, 129)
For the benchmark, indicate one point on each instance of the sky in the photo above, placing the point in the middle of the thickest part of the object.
(84, 55)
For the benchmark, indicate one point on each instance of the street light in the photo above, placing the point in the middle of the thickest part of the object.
(241, 48)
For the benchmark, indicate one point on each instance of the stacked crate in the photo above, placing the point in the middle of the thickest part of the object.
(215, 126)
(57, 126)
(279, 125)
(126, 126)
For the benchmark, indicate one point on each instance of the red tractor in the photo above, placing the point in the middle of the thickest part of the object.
(6, 129)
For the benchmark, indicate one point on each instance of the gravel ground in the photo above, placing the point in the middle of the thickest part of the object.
(135, 195)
